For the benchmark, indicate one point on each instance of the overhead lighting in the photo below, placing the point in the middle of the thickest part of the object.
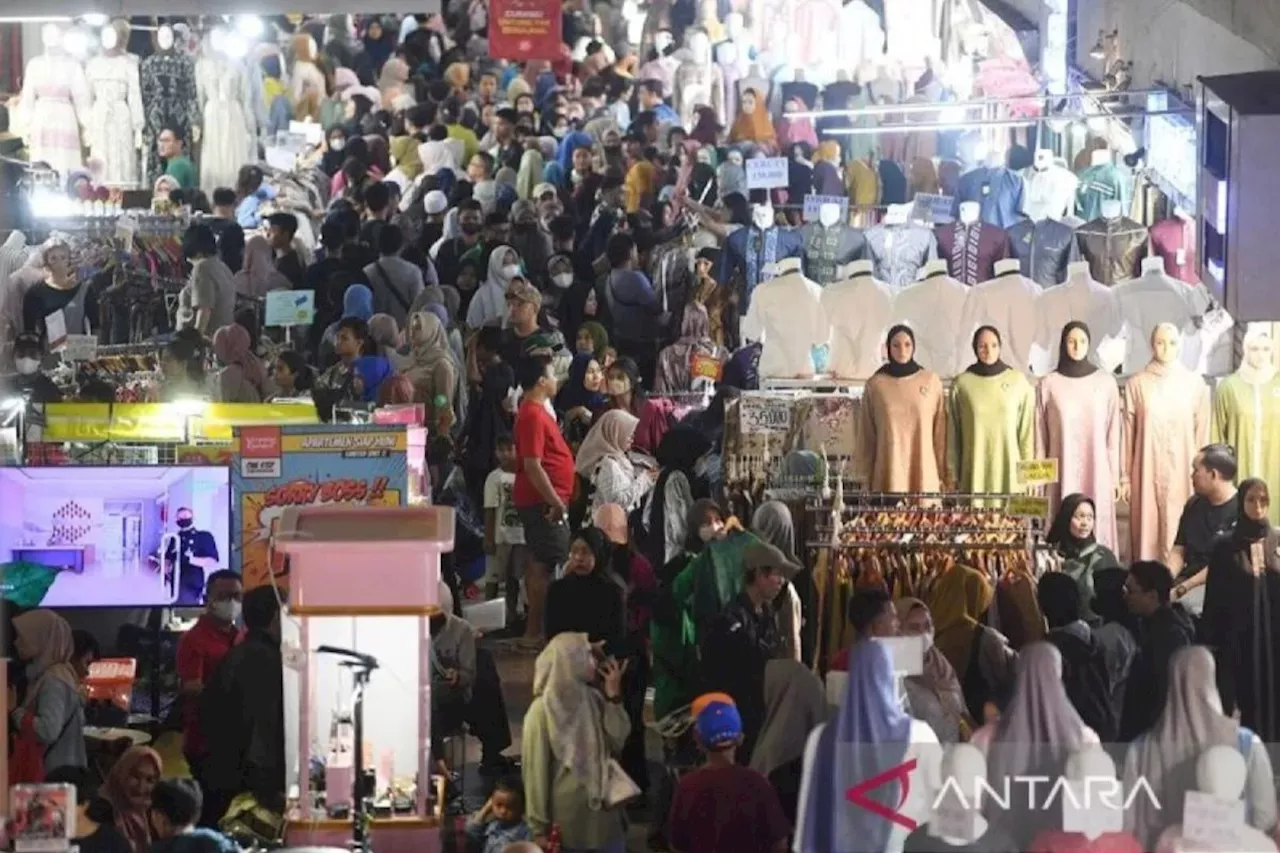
(249, 26)
(236, 46)
(95, 19)
(76, 42)
(190, 405)
(218, 39)
(1098, 51)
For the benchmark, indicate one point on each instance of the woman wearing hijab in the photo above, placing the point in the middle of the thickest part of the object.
(488, 417)
(694, 358)
(706, 126)
(530, 173)
(602, 460)
(581, 397)
(826, 170)
(795, 703)
(869, 735)
(980, 656)
(379, 43)
(934, 695)
(386, 336)
(753, 123)
(259, 274)
(242, 378)
(1165, 757)
(357, 303)
(433, 368)
(572, 730)
(128, 789)
(371, 371)
(678, 486)
(772, 522)
(52, 712)
(489, 305)
(731, 177)
(593, 338)
(1241, 609)
(1072, 534)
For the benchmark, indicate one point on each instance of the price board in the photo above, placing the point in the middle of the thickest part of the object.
(1026, 506)
(764, 415)
(1037, 472)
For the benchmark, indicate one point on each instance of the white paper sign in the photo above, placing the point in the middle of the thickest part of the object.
(1212, 823)
(930, 207)
(289, 308)
(812, 204)
(80, 348)
(55, 326)
(308, 130)
(280, 158)
(764, 415)
(767, 173)
(1083, 811)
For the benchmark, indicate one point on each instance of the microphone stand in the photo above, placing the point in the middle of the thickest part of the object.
(362, 667)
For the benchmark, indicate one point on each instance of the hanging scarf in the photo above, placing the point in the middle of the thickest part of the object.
(899, 369)
(979, 368)
(1068, 366)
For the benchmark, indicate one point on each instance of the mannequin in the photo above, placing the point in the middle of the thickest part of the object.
(899, 248)
(115, 121)
(55, 104)
(699, 81)
(306, 76)
(997, 190)
(787, 317)
(970, 246)
(1050, 188)
(1174, 240)
(751, 251)
(733, 56)
(1102, 181)
(1154, 298)
(903, 435)
(1246, 412)
(755, 79)
(168, 98)
(229, 125)
(1166, 416)
(1091, 770)
(932, 306)
(1007, 302)
(829, 244)
(1044, 249)
(859, 309)
(957, 824)
(992, 420)
(863, 35)
(1113, 244)
(1080, 298)
(1078, 422)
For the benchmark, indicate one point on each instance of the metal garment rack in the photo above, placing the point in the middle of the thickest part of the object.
(954, 537)
(919, 106)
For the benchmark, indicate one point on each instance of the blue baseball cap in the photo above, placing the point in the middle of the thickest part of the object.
(718, 723)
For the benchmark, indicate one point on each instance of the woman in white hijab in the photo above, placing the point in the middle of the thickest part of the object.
(489, 305)
(1192, 722)
(572, 730)
(602, 459)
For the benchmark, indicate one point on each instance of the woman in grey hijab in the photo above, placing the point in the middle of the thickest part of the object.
(795, 703)
(772, 523)
(1165, 757)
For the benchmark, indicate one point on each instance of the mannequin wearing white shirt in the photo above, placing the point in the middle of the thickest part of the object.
(1050, 189)
(1154, 298)
(1080, 298)
(931, 307)
(1007, 302)
(786, 316)
(860, 310)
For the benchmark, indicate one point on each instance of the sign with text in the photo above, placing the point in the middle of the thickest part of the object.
(1026, 506)
(929, 207)
(1037, 472)
(289, 308)
(80, 348)
(814, 203)
(524, 29)
(764, 414)
(1212, 823)
(767, 173)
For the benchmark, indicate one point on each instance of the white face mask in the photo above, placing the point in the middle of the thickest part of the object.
(708, 532)
(928, 640)
(510, 271)
(762, 217)
(226, 611)
(26, 366)
(562, 280)
(337, 144)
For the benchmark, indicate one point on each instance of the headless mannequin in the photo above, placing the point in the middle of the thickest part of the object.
(829, 244)
(699, 81)
(55, 104)
(1246, 412)
(992, 417)
(860, 309)
(168, 79)
(1050, 189)
(888, 244)
(116, 118)
(932, 306)
(1113, 244)
(786, 315)
(1221, 773)
(1007, 302)
(1079, 298)
(1166, 410)
(754, 249)
(957, 822)
(971, 246)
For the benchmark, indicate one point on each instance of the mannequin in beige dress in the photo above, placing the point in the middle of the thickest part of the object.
(1166, 421)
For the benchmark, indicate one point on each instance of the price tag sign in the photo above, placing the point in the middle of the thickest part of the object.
(80, 348)
(290, 307)
(1084, 814)
(813, 203)
(310, 131)
(930, 207)
(1026, 506)
(764, 415)
(1212, 823)
(767, 173)
(1037, 472)
(280, 158)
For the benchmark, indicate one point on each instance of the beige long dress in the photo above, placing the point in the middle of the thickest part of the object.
(1166, 421)
(903, 435)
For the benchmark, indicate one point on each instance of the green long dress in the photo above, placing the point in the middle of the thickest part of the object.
(990, 429)
(1246, 415)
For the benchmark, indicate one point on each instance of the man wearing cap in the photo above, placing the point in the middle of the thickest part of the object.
(745, 637)
(724, 807)
(524, 335)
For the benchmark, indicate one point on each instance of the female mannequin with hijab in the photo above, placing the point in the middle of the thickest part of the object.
(1241, 607)
(1246, 411)
(992, 420)
(1078, 423)
(1166, 419)
(904, 426)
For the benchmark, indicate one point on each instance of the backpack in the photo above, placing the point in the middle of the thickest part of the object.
(1084, 675)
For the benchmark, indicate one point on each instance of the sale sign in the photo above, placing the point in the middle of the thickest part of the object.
(521, 30)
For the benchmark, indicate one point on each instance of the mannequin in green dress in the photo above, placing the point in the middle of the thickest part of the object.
(1246, 414)
(991, 421)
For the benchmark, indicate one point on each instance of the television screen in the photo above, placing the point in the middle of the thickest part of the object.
(144, 536)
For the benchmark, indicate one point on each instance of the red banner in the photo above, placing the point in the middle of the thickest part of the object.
(524, 29)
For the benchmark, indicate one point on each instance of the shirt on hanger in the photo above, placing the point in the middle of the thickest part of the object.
(1050, 193)
(997, 190)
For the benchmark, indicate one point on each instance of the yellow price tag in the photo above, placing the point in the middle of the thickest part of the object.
(1027, 506)
(1038, 472)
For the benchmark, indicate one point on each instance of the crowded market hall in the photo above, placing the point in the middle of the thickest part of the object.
(731, 426)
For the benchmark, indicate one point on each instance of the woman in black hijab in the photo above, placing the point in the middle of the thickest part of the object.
(1072, 535)
(587, 599)
(679, 485)
(487, 419)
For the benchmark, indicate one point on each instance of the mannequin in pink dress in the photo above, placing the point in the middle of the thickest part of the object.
(1078, 423)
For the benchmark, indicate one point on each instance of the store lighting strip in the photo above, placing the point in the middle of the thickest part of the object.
(877, 109)
(966, 125)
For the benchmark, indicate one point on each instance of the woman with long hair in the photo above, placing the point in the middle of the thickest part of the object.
(51, 711)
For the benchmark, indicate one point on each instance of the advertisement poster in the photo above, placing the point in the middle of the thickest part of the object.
(521, 30)
(277, 467)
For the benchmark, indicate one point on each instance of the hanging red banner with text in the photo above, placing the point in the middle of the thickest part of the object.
(524, 29)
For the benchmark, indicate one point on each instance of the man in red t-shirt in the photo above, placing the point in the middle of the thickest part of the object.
(199, 652)
(543, 487)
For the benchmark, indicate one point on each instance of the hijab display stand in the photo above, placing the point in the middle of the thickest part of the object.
(398, 551)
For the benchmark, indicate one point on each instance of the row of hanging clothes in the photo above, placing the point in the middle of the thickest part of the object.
(127, 373)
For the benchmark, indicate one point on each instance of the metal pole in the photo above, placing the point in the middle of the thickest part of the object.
(876, 109)
(1012, 122)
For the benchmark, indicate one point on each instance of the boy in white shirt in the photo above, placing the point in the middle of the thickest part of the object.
(503, 532)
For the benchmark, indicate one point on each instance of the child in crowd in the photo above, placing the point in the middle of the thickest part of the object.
(724, 807)
(503, 532)
(500, 821)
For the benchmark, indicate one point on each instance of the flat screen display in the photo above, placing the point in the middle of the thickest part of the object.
(144, 536)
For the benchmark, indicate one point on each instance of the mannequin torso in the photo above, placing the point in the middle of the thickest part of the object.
(749, 252)
(1050, 191)
(899, 251)
(1149, 300)
(228, 124)
(1007, 302)
(699, 81)
(1044, 249)
(787, 316)
(1114, 247)
(1174, 240)
(1246, 415)
(1080, 298)
(971, 250)
(55, 105)
(932, 307)
(827, 248)
(860, 310)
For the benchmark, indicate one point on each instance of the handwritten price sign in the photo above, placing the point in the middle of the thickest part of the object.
(1037, 472)
(1025, 506)
(764, 415)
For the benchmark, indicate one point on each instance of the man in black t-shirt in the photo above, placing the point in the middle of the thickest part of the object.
(195, 553)
(1208, 517)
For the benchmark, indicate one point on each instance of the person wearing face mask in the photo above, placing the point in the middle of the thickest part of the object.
(200, 651)
(28, 382)
(335, 152)
(530, 241)
(194, 552)
(61, 292)
(448, 258)
(488, 306)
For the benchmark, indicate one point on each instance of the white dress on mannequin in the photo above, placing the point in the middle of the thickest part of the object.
(786, 316)
(226, 140)
(55, 102)
(116, 118)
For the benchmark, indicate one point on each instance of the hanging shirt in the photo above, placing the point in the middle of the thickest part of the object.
(1114, 248)
(1107, 182)
(1050, 193)
(971, 251)
(1007, 302)
(1174, 239)
(827, 249)
(898, 252)
(932, 308)
(998, 191)
(1044, 249)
